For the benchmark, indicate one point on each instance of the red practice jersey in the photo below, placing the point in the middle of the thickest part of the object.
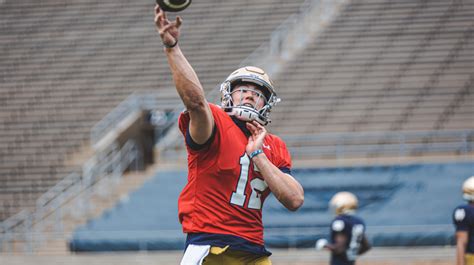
(225, 192)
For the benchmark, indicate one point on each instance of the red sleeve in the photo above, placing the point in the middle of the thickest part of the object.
(282, 158)
(183, 123)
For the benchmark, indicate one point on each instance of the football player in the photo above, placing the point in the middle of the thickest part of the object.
(348, 238)
(233, 163)
(463, 219)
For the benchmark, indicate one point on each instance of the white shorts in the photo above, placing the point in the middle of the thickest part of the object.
(195, 254)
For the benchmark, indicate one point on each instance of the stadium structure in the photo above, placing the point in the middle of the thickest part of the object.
(377, 99)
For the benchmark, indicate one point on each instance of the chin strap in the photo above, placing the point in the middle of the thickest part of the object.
(247, 114)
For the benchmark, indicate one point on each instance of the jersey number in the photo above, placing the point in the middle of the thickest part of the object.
(257, 185)
(354, 245)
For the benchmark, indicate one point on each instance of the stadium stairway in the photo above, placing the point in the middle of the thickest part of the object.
(56, 242)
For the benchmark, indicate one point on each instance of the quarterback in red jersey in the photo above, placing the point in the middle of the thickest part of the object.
(233, 162)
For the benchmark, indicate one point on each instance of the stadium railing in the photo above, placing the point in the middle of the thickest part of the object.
(366, 144)
(32, 229)
(400, 144)
(294, 34)
(134, 103)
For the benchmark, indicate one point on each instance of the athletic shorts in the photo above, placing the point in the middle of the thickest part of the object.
(210, 255)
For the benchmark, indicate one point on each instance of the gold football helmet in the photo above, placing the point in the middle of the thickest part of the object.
(468, 189)
(258, 77)
(343, 202)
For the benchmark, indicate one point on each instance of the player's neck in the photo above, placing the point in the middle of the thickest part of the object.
(242, 125)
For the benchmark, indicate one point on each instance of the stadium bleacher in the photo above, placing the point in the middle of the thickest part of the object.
(406, 205)
(384, 79)
(382, 66)
(65, 66)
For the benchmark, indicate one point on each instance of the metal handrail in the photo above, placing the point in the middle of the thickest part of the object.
(363, 144)
(293, 34)
(30, 226)
(126, 107)
(134, 102)
(372, 134)
(400, 143)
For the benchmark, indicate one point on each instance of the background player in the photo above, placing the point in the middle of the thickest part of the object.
(463, 218)
(348, 238)
(233, 163)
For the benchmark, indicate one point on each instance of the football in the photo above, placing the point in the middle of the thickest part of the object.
(173, 5)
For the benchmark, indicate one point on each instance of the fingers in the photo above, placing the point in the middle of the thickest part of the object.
(251, 127)
(164, 14)
(321, 243)
(163, 30)
(259, 126)
(159, 10)
(158, 13)
(163, 24)
(158, 16)
(179, 21)
(158, 20)
(256, 128)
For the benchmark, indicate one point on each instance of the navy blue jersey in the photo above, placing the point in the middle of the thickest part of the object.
(463, 219)
(353, 228)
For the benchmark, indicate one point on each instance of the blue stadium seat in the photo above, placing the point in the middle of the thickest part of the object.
(402, 205)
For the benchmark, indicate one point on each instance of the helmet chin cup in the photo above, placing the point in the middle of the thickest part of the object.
(245, 113)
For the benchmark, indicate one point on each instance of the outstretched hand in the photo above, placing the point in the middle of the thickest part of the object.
(321, 243)
(257, 134)
(169, 31)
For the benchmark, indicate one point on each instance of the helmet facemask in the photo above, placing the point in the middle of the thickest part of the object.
(265, 94)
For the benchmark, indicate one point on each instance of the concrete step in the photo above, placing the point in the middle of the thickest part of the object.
(129, 183)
